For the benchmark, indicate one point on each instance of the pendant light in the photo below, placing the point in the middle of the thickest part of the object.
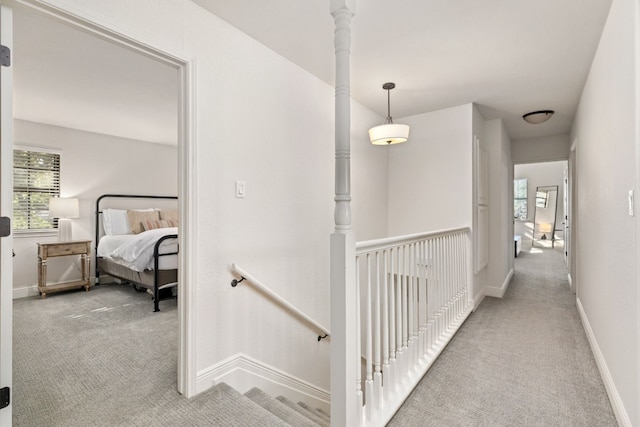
(388, 133)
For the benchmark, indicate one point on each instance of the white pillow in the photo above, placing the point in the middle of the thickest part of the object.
(115, 222)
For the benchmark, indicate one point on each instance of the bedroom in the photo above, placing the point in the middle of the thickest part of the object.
(123, 143)
(115, 132)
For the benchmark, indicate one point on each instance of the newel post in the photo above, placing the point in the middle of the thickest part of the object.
(345, 408)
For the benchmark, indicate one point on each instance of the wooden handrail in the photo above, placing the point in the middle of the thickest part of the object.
(279, 300)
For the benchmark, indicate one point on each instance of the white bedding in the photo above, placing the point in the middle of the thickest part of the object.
(135, 251)
(108, 244)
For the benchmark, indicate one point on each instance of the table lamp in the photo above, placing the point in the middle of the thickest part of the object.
(64, 208)
(544, 229)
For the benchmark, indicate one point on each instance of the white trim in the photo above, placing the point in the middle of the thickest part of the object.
(57, 151)
(83, 17)
(614, 397)
(187, 186)
(243, 373)
(572, 288)
(25, 292)
(636, 189)
(6, 209)
(477, 300)
(492, 291)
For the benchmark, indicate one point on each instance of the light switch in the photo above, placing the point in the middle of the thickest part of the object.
(240, 189)
(631, 202)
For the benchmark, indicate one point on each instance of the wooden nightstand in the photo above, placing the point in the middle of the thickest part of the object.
(56, 249)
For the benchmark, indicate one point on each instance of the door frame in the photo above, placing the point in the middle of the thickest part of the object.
(573, 216)
(6, 209)
(107, 30)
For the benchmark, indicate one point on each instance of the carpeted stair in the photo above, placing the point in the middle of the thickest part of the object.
(258, 408)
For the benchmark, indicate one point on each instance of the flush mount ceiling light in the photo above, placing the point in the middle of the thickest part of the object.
(537, 117)
(388, 133)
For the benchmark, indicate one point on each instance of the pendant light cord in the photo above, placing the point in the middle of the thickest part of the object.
(389, 119)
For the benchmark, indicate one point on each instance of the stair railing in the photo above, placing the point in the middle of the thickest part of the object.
(413, 293)
(265, 290)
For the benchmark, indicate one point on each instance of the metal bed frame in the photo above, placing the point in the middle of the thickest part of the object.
(156, 250)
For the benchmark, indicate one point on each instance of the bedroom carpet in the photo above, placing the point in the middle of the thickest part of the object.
(103, 358)
(523, 360)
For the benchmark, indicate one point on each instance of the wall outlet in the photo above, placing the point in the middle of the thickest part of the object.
(631, 203)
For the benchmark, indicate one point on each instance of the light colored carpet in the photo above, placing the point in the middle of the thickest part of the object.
(523, 360)
(103, 358)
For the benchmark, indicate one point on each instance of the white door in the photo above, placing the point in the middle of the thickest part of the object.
(6, 209)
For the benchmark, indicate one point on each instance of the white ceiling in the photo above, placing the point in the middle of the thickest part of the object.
(509, 57)
(66, 77)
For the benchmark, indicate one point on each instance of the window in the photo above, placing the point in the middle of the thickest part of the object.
(36, 178)
(520, 199)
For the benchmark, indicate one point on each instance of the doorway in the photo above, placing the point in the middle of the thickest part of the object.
(186, 174)
(532, 184)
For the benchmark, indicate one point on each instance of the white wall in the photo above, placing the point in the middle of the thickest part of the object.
(91, 164)
(481, 277)
(501, 246)
(544, 149)
(607, 250)
(369, 167)
(430, 176)
(431, 184)
(539, 175)
(263, 120)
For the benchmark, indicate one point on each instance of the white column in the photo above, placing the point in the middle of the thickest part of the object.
(345, 405)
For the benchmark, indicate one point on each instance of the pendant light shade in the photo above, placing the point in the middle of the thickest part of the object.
(389, 133)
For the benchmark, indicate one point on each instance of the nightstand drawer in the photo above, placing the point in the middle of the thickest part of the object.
(64, 249)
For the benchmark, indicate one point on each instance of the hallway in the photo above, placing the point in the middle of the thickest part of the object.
(522, 360)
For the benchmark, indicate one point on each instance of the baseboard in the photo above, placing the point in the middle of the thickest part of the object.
(27, 291)
(243, 373)
(477, 300)
(571, 285)
(614, 397)
(492, 291)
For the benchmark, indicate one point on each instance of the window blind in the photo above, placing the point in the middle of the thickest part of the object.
(36, 178)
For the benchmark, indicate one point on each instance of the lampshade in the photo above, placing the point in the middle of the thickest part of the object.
(388, 133)
(545, 227)
(537, 117)
(64, 207)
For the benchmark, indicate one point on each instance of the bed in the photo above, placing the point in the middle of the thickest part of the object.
(138, 244)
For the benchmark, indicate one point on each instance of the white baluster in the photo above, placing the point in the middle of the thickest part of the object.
(416, 293)
(447, 259)
(386, 371)
(410, 307)
(399, 349)
(377, 356)
(441, 287)
(393, 348)
(430, 295)
(423, 299)
(358, 336)
(368, 341)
